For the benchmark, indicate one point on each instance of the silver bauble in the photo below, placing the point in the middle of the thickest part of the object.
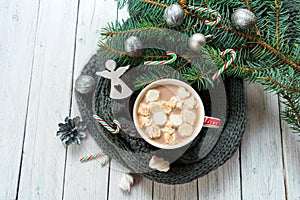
(134, 47)
(196, 42)
(174, 15)
(243, 19)
(85, 84)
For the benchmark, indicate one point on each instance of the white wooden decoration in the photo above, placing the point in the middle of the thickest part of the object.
(119, 89)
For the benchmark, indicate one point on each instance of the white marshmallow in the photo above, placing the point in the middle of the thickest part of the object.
(189, 117)
(153, 132)
(152, 95)
(176, 120)
(185, 130)
(159, 118)
(182, 93)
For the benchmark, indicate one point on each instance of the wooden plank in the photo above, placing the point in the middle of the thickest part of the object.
(93, 16)
(17, 40)
(261, 150)
(291, 155)
(163, 191)
(222, 183)
(87, 181)
(187, 191)
(171, 192)
(142, 189)
(44, 155)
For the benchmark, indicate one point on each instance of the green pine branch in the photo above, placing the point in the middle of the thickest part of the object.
(268, 53)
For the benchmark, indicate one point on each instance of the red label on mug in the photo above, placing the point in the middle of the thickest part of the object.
(211, 122)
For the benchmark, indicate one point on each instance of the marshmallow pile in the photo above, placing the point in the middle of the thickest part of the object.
(168, 121)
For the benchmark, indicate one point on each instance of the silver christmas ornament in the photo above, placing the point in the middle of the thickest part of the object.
(243, 19)
(196, 42)
(174, 15)
(85, 84)
(134, 47)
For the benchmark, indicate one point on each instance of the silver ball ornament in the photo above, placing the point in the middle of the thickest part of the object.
(243, 18)
(134, 47)
(196, 42)
(174, 15)
(85, 84)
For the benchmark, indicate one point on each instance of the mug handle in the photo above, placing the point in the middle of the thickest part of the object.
(212, 122)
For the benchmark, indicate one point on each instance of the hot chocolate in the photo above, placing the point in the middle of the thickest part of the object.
(168, 114)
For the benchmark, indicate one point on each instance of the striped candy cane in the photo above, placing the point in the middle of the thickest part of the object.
(91, 157)
(97, 155)
(164, 62)
(227, 64)
(105, 125)
(105, 161)
(214, 13)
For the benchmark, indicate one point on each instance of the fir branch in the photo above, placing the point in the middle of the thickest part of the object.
(249, 8)
(247, 4)
(141, 84)
(156, 57)
(191, 27)
(293, 107)
(206, 3)
(276, 52)
(277, 22)
(268, 79)
(183, 3)
(111, 33)
(156, 3)
(222, 62)
(114, 50)
(269, 53)
(265, 45)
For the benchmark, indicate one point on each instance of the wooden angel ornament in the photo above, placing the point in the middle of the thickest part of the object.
(119, 89)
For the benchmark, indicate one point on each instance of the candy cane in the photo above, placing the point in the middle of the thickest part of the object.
(105, 161)
(164, 62)
(97, 155)
(105, 125)
(91, 157)
(214, 13)
(227, 64)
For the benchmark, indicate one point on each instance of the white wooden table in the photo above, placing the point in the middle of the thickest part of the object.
(43, 46)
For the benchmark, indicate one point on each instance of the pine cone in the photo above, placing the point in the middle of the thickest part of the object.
(72, 131)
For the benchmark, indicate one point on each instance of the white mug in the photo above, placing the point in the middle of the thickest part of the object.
(203, 121)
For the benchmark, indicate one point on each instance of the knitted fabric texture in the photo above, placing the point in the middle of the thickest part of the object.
(202, 156)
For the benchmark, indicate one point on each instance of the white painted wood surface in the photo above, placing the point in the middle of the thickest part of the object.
(261, 150)
(43, 48)
(91, 17)
(142, 188)
(222, 183)
(50, 94)
(17, 41)
(291, 152)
